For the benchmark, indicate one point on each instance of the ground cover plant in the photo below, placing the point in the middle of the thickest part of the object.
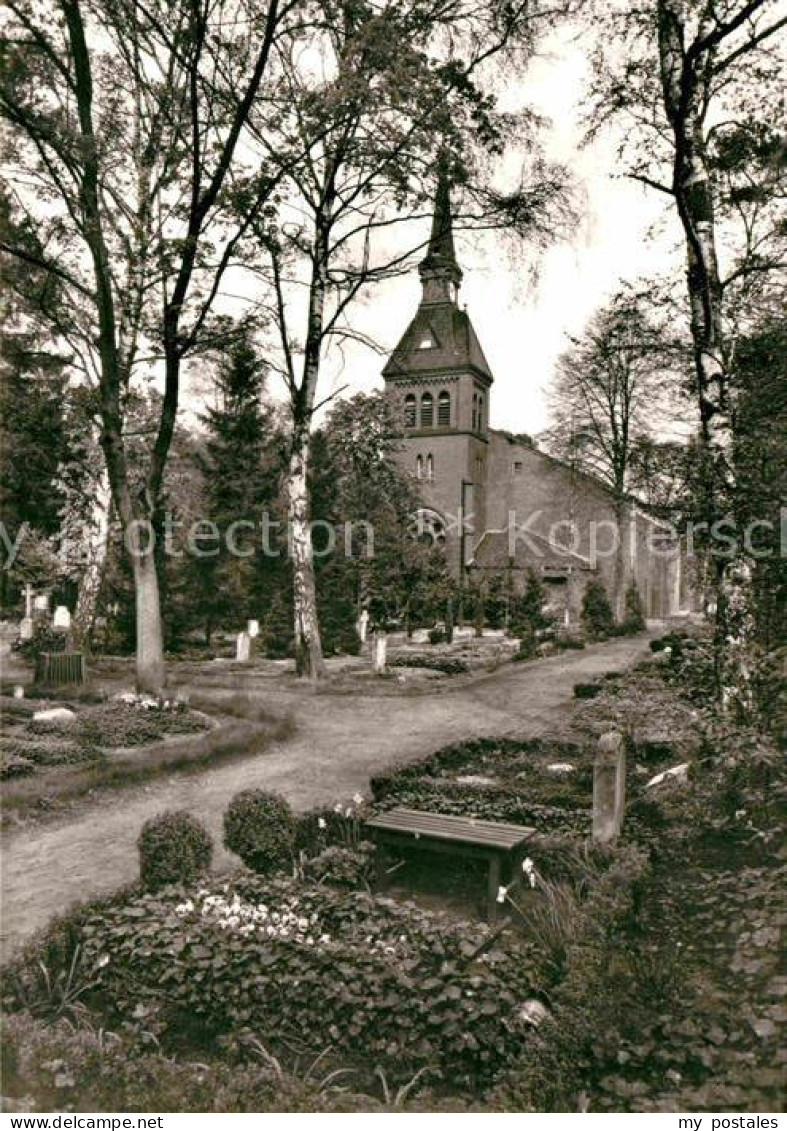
(678, 1003)
(87, 731)
(447, 665)
(308, 967)
(241, 729)
(546, 784)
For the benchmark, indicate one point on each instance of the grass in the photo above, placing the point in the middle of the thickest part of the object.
(249, 732)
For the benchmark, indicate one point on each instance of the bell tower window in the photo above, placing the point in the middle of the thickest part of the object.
(429, 468)
(427, 410)
(419, 467)
(444, 410)
(409, 410)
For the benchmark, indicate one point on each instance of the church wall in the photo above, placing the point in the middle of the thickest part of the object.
(544, 493)
(453, 459)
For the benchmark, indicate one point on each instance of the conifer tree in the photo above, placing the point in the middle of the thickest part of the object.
(239, 466)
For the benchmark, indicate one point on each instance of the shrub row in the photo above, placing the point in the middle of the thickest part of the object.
(448, 665)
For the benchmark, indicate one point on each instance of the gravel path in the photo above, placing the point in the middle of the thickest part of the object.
(339, 743)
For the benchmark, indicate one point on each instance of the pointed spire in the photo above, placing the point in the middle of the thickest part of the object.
(441, 241)
(440, 273)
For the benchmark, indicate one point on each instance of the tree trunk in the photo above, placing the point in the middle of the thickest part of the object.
(619, 576)
(308, 646)
(151, 672)
(93, 575)
(685, 75)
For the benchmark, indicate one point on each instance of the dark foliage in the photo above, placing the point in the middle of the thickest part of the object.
(174, 848)
(598, 619)
(634, 617)
(260, 828)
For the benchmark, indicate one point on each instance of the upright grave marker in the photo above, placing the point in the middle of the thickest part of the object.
(609, 787)
(243, 648)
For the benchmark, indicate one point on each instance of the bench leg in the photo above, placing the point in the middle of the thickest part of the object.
(492, 888)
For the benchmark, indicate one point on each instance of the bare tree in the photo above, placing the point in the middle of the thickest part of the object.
(719, 66)
(611, 393)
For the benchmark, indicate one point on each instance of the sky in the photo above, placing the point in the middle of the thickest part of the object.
(523, 312)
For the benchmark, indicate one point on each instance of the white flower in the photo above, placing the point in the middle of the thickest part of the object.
(103, 961)
(529, 868)
(338, 807)
(502, 892)
(321, 823)
(358, 798)
(348, 812)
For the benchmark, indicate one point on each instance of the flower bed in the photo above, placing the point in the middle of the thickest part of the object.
(28, 743)
(447, 665)
(498, 780)
(310, 968)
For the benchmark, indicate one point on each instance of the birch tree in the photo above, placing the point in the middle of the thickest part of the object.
(127, 133)
(377, 99)
(691, 77)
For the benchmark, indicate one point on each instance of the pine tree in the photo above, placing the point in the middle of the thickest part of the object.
(597, 616)
(528, 620)
(240, 473)
(634, 619)
(32, 441)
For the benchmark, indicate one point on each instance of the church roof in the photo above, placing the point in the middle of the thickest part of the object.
(493, 552)
(440, 338)
(454, 344)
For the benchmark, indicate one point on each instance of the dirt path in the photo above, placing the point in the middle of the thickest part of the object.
(340, 742)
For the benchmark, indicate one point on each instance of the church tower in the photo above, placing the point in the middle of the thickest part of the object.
(438, 381)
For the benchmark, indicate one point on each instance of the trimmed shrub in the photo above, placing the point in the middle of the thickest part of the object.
(587, 690)
(437, 636)
(528, 617)
(597, 617)
(44, 639)
(260, 828)
(173, 848)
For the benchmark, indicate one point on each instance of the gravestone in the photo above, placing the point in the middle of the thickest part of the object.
(379, 652)
(26, 629)
(609, 787)
(41, 603)
(362, 625)
(61, 621)
(253, 628)
(243, 648)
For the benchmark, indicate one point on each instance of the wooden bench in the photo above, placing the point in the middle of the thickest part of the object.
(503, 846)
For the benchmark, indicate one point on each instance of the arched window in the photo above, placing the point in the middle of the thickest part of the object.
(444, 410)
(475, 412)
(427, 410)
(419, 467)
(429, 468)
(409, 410)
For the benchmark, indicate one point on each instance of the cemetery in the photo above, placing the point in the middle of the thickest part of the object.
(393, 603)
(469, 978)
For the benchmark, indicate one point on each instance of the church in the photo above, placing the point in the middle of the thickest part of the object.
(498, 504)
